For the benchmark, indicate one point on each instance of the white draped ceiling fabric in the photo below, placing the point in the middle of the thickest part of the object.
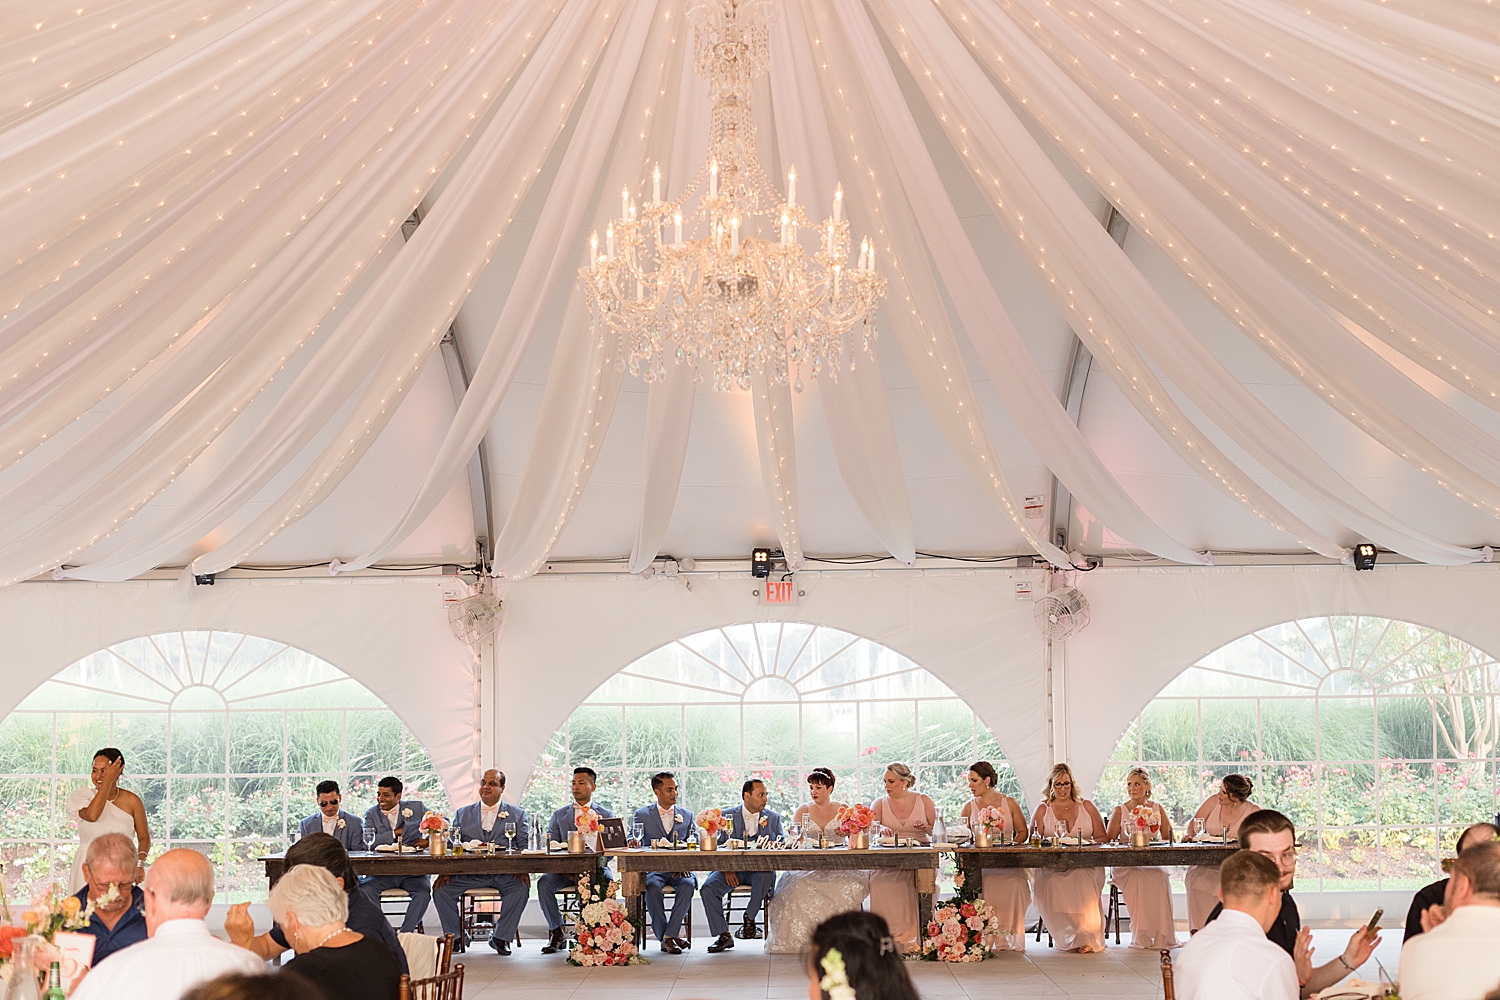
(195, 192)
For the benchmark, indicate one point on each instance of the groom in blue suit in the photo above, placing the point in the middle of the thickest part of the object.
(485, 821)
(394, 818)
(330, 819)
(665, 821)
(748, 822)
(564, 822)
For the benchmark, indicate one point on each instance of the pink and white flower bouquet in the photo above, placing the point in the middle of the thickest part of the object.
(962, 927)
(990, 818)
(1143, 819)
(605, 936)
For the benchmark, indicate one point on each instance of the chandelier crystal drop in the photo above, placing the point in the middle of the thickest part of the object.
(731, 298)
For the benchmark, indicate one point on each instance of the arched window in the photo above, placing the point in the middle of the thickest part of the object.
(224, 735)
(1377, 737)
(769, 700)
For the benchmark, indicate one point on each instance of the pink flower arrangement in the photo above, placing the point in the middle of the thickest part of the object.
(850, 820)
(433, 823)
(1144, 819)
(712, 821)
(960, 931)
(990, 818)
(588, 822)
(605, 936)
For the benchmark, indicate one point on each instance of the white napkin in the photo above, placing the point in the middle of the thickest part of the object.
(559, 846)
(473, 845)
(1354, 989)
(386, 848)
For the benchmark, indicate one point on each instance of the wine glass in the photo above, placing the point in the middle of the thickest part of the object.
(510, 836)
(369, 836)
(1059, 829)
(1194, 828)
(292, 834)
(638, 834)
(794, 833)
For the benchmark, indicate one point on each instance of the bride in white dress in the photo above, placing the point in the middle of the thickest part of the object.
(806, 899)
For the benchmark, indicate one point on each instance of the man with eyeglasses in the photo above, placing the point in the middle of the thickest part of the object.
(1270, 833)
(118, 920)
(330, 819)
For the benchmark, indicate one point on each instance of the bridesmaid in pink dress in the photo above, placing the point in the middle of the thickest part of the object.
(1147, 891)
(893, 894)
(1219, 816)
(1007, 891)
(1070, 902)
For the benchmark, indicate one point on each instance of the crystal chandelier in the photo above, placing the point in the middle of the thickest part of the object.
(734, 300)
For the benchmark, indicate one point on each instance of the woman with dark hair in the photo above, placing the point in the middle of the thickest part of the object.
(324, 851)
(1007, 891)
(1219, 816)
(261, 986)
(108, 808)
(855, 951)
(806, 899)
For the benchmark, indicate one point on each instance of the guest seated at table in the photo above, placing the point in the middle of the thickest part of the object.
(1220, 815)
(1270, 833)
(395, 820)
(181, 952)
(1233, 958)
(260, 986)
(666, 821)
(908, 815)
(365, 916)
(109, 873)
(854, 951)
(1433, 895)
(342, 826)
(310, 905)
(1069, 901)
(1007, 891)
(1147, 890)
(564, 822)
(806, 899)
(749, 821)
(1459, 955)
(487, 821)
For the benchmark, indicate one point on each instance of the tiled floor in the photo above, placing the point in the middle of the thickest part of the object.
(747, 973)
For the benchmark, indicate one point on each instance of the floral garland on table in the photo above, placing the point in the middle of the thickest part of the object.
(605, 936)
(850, 820)
(963, 926)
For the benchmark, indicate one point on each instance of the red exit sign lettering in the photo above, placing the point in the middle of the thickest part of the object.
(782, 593)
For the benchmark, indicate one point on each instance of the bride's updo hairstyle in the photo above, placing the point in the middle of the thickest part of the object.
(821, 776)
(986, 772)
(872, 963)
(903, 772)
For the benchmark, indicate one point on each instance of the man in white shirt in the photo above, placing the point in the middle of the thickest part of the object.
(344, 827)
(666, 821)
(180, 952)
(486, 821)
(1459, 958)
(1231, 958)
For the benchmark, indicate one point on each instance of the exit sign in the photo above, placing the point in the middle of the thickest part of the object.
(781, 593)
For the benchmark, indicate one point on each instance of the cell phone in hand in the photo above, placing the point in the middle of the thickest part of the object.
(1373, 927)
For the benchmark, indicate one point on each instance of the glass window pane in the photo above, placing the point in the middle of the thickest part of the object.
(198, 809)
(828, 735)
(256, 808)
(256, 743)
(713, 736)
(79, 736)
(889, 732)
(199, 740)
(142, 738)
(653, 737)
(26, 741)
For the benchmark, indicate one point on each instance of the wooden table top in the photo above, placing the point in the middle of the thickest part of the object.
(638, 859)
(1094, 856)
(467, 863)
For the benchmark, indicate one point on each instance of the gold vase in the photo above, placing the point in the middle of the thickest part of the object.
(1140, 839)
(982, 837)
(860, 841)
(575, 843)
(435, 845)
(707, 843)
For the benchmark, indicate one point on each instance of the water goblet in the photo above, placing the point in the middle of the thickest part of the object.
(510, 836)
(794, 833)
(638, 834)
(369, 836)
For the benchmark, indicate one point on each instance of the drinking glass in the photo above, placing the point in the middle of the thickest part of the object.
(1194, 828)
(369, 834)
(794, 832)
(291, 836)
(510, 836)
(638, 834)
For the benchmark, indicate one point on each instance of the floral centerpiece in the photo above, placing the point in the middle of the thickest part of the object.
(432, 823)
(990, 818)
(48, 914)
(1144, 819)
(605, 936)
(712, 821)
(851, 820)
(587, 823)
(962, 927)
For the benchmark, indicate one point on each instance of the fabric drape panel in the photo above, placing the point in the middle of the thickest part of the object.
(854, 400)
(1329, 261)
(1110, 303)
(669, 421)
(547, 260)
(1275, 312)
(1005, 357)
(467, 236)
(776, 445)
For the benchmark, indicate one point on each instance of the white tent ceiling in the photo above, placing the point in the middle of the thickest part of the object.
(195, 186)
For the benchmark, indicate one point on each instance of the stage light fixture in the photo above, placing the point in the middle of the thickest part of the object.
(760, 563)
(203, 579)
(1364, 556)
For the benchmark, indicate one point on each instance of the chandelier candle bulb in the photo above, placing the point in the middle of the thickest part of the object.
(791, 187)
(656, 185)
(713, 179)
(594, 248)
(838, 203)
(734, 235)
(786, 229)
(624, 202)
(609, 241)
(677, 229)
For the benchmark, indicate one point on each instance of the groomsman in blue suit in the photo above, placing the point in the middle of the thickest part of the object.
(330, 819)
(394, 818)
(749, 822)
(564, 822)
(485, 821)
(665, 821)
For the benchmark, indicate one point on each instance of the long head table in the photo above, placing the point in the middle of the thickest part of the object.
(468, 863)
(1093, 856)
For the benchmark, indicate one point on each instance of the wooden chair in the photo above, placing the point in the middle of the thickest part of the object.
(1117, 913)
(448, 986)
(479, 908)
(393, 903)
(1168, 992)
(669, 896)
(742, 893)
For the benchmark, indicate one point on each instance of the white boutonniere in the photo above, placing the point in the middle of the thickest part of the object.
(762, 821)
(341, 824)
(406, 814)
(676, 818)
